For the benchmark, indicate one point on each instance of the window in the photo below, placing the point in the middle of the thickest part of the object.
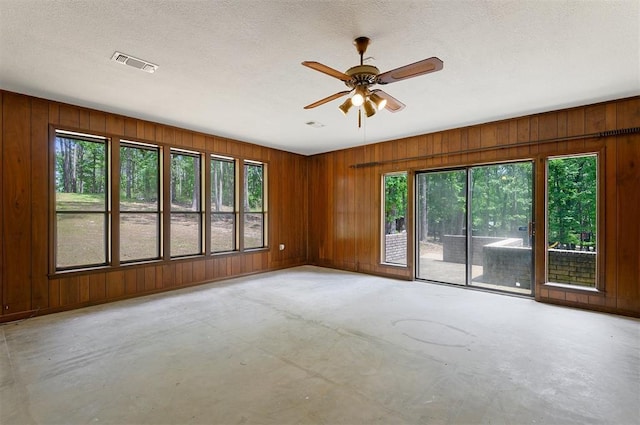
(394, 246)
(572, 234)
(223, 204)
(186, 205)
(130, 201)
(81, 200)
(139, 202)
(254, 205)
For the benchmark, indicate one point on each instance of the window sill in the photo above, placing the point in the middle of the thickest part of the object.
(399, 266)
(576, 288)
(251, 250)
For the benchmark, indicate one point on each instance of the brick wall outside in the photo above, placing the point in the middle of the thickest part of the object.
(572, 267)
(396, 248)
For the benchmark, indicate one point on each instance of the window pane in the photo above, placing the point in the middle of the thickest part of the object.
(501, 212)
(139, 236)
(572, 220)
(441, 226)
(138, 178)
(253, 187)
(223, 191)
(80, 239)
(254, 206)
(395, 212)
(185, 182)
(185, 234)
(223, 205)
(253, 230)
(80, 174)
(223, 236)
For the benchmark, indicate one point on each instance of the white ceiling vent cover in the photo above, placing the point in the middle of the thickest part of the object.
(134, 62)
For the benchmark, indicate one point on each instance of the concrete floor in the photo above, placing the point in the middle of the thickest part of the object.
(311, 345)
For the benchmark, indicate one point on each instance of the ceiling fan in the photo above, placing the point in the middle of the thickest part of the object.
(360, 78)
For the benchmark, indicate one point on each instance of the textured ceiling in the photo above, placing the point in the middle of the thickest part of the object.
(232, 68)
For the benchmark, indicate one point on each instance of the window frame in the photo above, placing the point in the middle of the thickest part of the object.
(383, 244)
(200, 213)
(235, 210)
(113, 176)
(599, 281)
(264, 207)
(106, 212)
(159, 204)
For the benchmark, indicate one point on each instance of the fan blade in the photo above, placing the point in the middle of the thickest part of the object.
(327, 70)
(409, 71)
(393, 104)
(327, 99)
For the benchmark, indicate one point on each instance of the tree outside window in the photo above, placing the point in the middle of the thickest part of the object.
(395, 213)
(81, 200)
(254, 207)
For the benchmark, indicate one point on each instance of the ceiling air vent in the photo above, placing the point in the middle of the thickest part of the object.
(134, 62)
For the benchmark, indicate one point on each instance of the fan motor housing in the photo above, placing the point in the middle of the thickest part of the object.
(362, 75)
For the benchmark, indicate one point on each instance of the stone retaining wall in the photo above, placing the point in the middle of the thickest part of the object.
(454, 248)
(507, 263)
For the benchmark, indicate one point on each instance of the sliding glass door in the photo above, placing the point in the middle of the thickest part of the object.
(501, 212)
(441, 226)
(474, 226)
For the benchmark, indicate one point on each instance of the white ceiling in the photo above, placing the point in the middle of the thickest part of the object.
(232, 68)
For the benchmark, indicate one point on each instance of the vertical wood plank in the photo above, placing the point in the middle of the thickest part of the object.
(115, 125)
(69, 116)
(140, 280)
(548, 129)
(488, 139)
(130, 282)
(83, 288)
(168, 275)
(97, 286)
(54, 293)
(198, 141)
(187, 273)
(149, 278)
(84, 120)
(16, 203)
(69, 290)
(115, 284)
(159, 278)
(130, 128)
(39, 203)
(523, 136)
(98, 122)
(198, 271)
(628, 200)
(178, 274)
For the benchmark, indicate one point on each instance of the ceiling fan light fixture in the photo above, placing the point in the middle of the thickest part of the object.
(357, 99)
(346, 106)
(378, 100)
(369, 108)
(362, 78)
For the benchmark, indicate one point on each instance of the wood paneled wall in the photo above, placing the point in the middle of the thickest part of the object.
(345, 202)
(25, 287)
(323, 209)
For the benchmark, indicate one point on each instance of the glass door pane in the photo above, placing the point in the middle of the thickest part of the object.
(501, 212)
(441, 229)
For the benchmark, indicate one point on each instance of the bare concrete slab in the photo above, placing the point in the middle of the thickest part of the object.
(318, 346)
